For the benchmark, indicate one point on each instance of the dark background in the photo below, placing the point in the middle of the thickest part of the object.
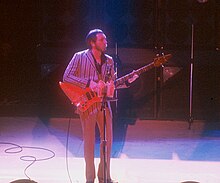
(38, 38)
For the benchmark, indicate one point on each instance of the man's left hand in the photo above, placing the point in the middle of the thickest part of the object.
(134, 77)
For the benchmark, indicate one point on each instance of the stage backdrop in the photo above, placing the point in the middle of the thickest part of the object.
(38, 38)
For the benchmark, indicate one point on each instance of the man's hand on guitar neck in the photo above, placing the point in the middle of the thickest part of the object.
(134, 77)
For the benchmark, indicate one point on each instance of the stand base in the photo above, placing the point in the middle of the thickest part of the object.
(190, 122)
(23, 181)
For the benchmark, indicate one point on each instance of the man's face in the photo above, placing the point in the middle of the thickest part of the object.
(101, 42)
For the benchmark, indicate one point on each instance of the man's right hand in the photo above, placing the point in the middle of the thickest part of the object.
(110, 89)
(99, 87)
(101, 90)
(93, 85)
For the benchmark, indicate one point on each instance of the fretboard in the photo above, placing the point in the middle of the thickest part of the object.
(122, 79)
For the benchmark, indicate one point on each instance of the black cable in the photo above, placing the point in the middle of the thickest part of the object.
(67, 147)
(8, 150)
(32, 159)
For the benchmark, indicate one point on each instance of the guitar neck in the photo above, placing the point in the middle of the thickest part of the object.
(145, 68)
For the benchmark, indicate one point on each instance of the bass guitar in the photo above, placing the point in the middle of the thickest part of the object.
(84, 98)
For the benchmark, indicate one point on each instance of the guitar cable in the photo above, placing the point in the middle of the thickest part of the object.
(15, 149)
(67, 147)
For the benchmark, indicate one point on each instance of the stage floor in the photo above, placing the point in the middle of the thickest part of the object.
(144, 151)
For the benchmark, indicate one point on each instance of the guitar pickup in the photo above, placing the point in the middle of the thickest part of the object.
(93, 94)
(88, 95)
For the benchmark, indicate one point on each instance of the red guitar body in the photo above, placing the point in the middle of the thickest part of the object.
(81, 98)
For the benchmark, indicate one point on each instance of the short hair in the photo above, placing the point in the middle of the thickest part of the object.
(91, 36)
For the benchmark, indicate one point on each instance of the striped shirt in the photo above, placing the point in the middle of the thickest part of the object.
(81, 69)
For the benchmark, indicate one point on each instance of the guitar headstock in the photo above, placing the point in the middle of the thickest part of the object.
(158, 61)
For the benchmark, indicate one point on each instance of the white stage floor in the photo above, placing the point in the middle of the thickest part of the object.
(149, 151)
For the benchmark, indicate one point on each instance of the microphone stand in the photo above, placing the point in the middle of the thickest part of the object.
(191, 80)
(103, 108)
(116, 76)
(104, 141)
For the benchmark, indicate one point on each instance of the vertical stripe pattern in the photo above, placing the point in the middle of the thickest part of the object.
(81, 69)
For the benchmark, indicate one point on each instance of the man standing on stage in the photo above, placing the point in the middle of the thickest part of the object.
(93, 68)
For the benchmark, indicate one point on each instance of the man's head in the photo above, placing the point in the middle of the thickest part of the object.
(96, 39)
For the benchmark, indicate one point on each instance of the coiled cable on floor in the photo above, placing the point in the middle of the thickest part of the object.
(32, 159)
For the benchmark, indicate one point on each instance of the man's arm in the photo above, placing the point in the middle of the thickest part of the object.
(128, 83)
(71, 74)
